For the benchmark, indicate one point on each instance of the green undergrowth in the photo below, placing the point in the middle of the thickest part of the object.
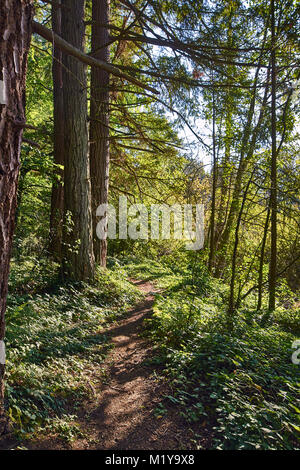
(56, 344)
(242, 385)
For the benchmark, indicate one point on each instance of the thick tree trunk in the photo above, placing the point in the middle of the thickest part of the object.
(57, 196)
(99, 125)
(77, 242)
(15, 34)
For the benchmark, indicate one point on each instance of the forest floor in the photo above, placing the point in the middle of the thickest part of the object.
(127, 364)
(125, 411)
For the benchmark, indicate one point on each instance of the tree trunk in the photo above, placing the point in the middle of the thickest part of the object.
(247, 152)
(261, 262)
(273, 195)
(231, 305)
(57, 196)
(77, 237)
(226, 168)
(99, 125)
(15, 33)
(214, 187)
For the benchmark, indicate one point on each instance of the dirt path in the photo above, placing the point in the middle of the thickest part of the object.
(123, 416)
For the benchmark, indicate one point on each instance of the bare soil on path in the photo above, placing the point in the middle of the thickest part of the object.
(122, 413)
(124, 417)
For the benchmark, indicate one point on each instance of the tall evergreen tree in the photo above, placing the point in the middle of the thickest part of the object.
(99, 120)
(77, 239)
(273, 193)
(15, 33)
(57, 196)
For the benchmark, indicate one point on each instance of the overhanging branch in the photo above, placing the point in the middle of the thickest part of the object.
(78, 54)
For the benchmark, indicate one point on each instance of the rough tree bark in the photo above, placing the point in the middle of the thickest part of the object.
(15, 34)
(57, 196)
(99, 121)
(77, 235)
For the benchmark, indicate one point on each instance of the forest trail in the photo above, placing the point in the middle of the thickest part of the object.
(121, 415)
(123, 412)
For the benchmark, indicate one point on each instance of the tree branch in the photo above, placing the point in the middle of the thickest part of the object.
(78, 54)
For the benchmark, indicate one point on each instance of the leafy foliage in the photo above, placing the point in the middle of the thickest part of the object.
(55, 343)
(242, 385)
